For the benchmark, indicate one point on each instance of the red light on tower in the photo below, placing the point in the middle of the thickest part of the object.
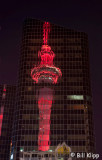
(46, 30)
(46, 72)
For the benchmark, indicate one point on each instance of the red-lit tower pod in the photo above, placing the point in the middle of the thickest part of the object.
(45, 72)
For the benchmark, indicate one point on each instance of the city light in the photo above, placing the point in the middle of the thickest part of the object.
(11, 156)
(21, 149)
(75, 97)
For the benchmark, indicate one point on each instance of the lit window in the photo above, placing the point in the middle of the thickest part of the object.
(21, 149)
(11, 156)
(50, 150)
(29, 88)
(75, 97)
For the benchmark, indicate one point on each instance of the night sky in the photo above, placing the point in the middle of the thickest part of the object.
(81, 15)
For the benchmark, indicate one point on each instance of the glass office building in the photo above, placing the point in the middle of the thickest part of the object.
(71, 119)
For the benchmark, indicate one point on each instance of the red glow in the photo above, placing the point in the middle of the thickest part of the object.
(45, 72)
(46, 55)
(4, 92)
(4, 89)
(1, 117)
(46, 69)
(46, 30)
(44, 104)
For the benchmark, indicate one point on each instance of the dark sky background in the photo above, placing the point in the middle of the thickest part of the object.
(82, 15)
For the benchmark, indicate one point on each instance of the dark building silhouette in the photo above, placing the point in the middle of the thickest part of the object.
(71, 112)
(7, 100)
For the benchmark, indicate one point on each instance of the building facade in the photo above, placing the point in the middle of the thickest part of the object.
(71, 118)
(7, 100)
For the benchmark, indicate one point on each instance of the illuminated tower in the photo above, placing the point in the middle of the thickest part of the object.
(44, 73)
(68, 101)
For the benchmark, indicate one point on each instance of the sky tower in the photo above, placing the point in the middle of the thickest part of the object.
(45, 73)
(52, 113)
